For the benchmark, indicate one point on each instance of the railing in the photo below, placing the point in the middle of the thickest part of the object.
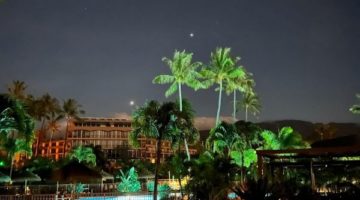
(29, 197)
(85, 196)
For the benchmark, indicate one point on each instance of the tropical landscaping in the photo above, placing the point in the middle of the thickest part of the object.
(226, 165)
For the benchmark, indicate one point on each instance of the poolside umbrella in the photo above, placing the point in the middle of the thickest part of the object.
(4, 178)
(106, 176)
(74, 172)
(25, 176)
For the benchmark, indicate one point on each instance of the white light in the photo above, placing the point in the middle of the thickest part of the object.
(132, 103)
(191, 35)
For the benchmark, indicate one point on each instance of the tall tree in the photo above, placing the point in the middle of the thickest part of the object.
(356, 108)
(17, 90)
(250, 102)
(159, 122)
(46, 108)
(221, 69)
(244, 84)
(183, 72)
(71, 110)
(53, 126)
(16, 128)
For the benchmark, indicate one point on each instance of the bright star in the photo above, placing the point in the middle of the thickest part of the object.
(191, 35)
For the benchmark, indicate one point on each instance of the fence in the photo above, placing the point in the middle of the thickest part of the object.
(52, 189)
(86, 196)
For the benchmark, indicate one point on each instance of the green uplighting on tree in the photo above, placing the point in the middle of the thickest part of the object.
(183, 72)
(356, 108)
(129, 181)
(220, 71)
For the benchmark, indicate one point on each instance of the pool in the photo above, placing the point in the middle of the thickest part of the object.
(127, 197)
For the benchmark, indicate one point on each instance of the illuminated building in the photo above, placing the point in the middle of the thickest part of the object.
(109, 133)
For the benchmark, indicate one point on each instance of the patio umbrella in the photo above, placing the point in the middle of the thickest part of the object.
(106, 176)
(4, 178)
(25, 176)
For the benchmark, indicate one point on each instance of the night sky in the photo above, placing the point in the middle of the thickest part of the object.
(304, 54)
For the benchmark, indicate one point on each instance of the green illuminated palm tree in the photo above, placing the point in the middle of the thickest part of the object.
(183, 72)
(250, 102)
(71, 109)
(286, 138)
(220, 70)
(244, 84)
(159, 122)
(16, 129)
(83, 154)
(356, 108)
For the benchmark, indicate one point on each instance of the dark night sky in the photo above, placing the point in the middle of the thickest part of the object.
(304, 54)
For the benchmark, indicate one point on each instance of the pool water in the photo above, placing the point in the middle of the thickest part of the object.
(129, 197)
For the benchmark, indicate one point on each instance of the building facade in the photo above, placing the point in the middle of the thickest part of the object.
(111, 134)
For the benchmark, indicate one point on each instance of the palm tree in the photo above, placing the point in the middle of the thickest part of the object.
(183, 72)
(250, 102)
(221, 69)
(83, 154)
(71, 110)
(16, 129)
(46, 108)
(17, 90)
(159, 122)
(243, 83)
(53, 126)
(325, 131)
(356, 108)
(286, 138)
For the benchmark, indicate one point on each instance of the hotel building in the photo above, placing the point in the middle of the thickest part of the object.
(109, 133)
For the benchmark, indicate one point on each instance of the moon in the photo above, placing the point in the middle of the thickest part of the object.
(191, 35)
(132, 103)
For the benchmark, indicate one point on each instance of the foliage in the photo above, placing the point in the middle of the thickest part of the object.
(286, 138)
(16, 129)
(83, 154)
(356, 108)
(160, 122)
(211, 177)
(17, 90)
(79, 188)
(226, 140)
(163, 189)
(221, 70)
(250, 102)
(183, 72)
(129, 181)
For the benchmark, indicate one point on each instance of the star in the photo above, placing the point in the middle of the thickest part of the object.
(191, 35)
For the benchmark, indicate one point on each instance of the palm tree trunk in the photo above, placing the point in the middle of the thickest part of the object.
(11, 165)
(219, 105)
(157, 165)
(185, 142)
(246, 113)
(180, 97)
(181, 190)
(234, 107)
(49, 146)
(39, 137)
(66, 135)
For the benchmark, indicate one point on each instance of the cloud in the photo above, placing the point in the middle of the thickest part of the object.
(122, 115)
(206, 123)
